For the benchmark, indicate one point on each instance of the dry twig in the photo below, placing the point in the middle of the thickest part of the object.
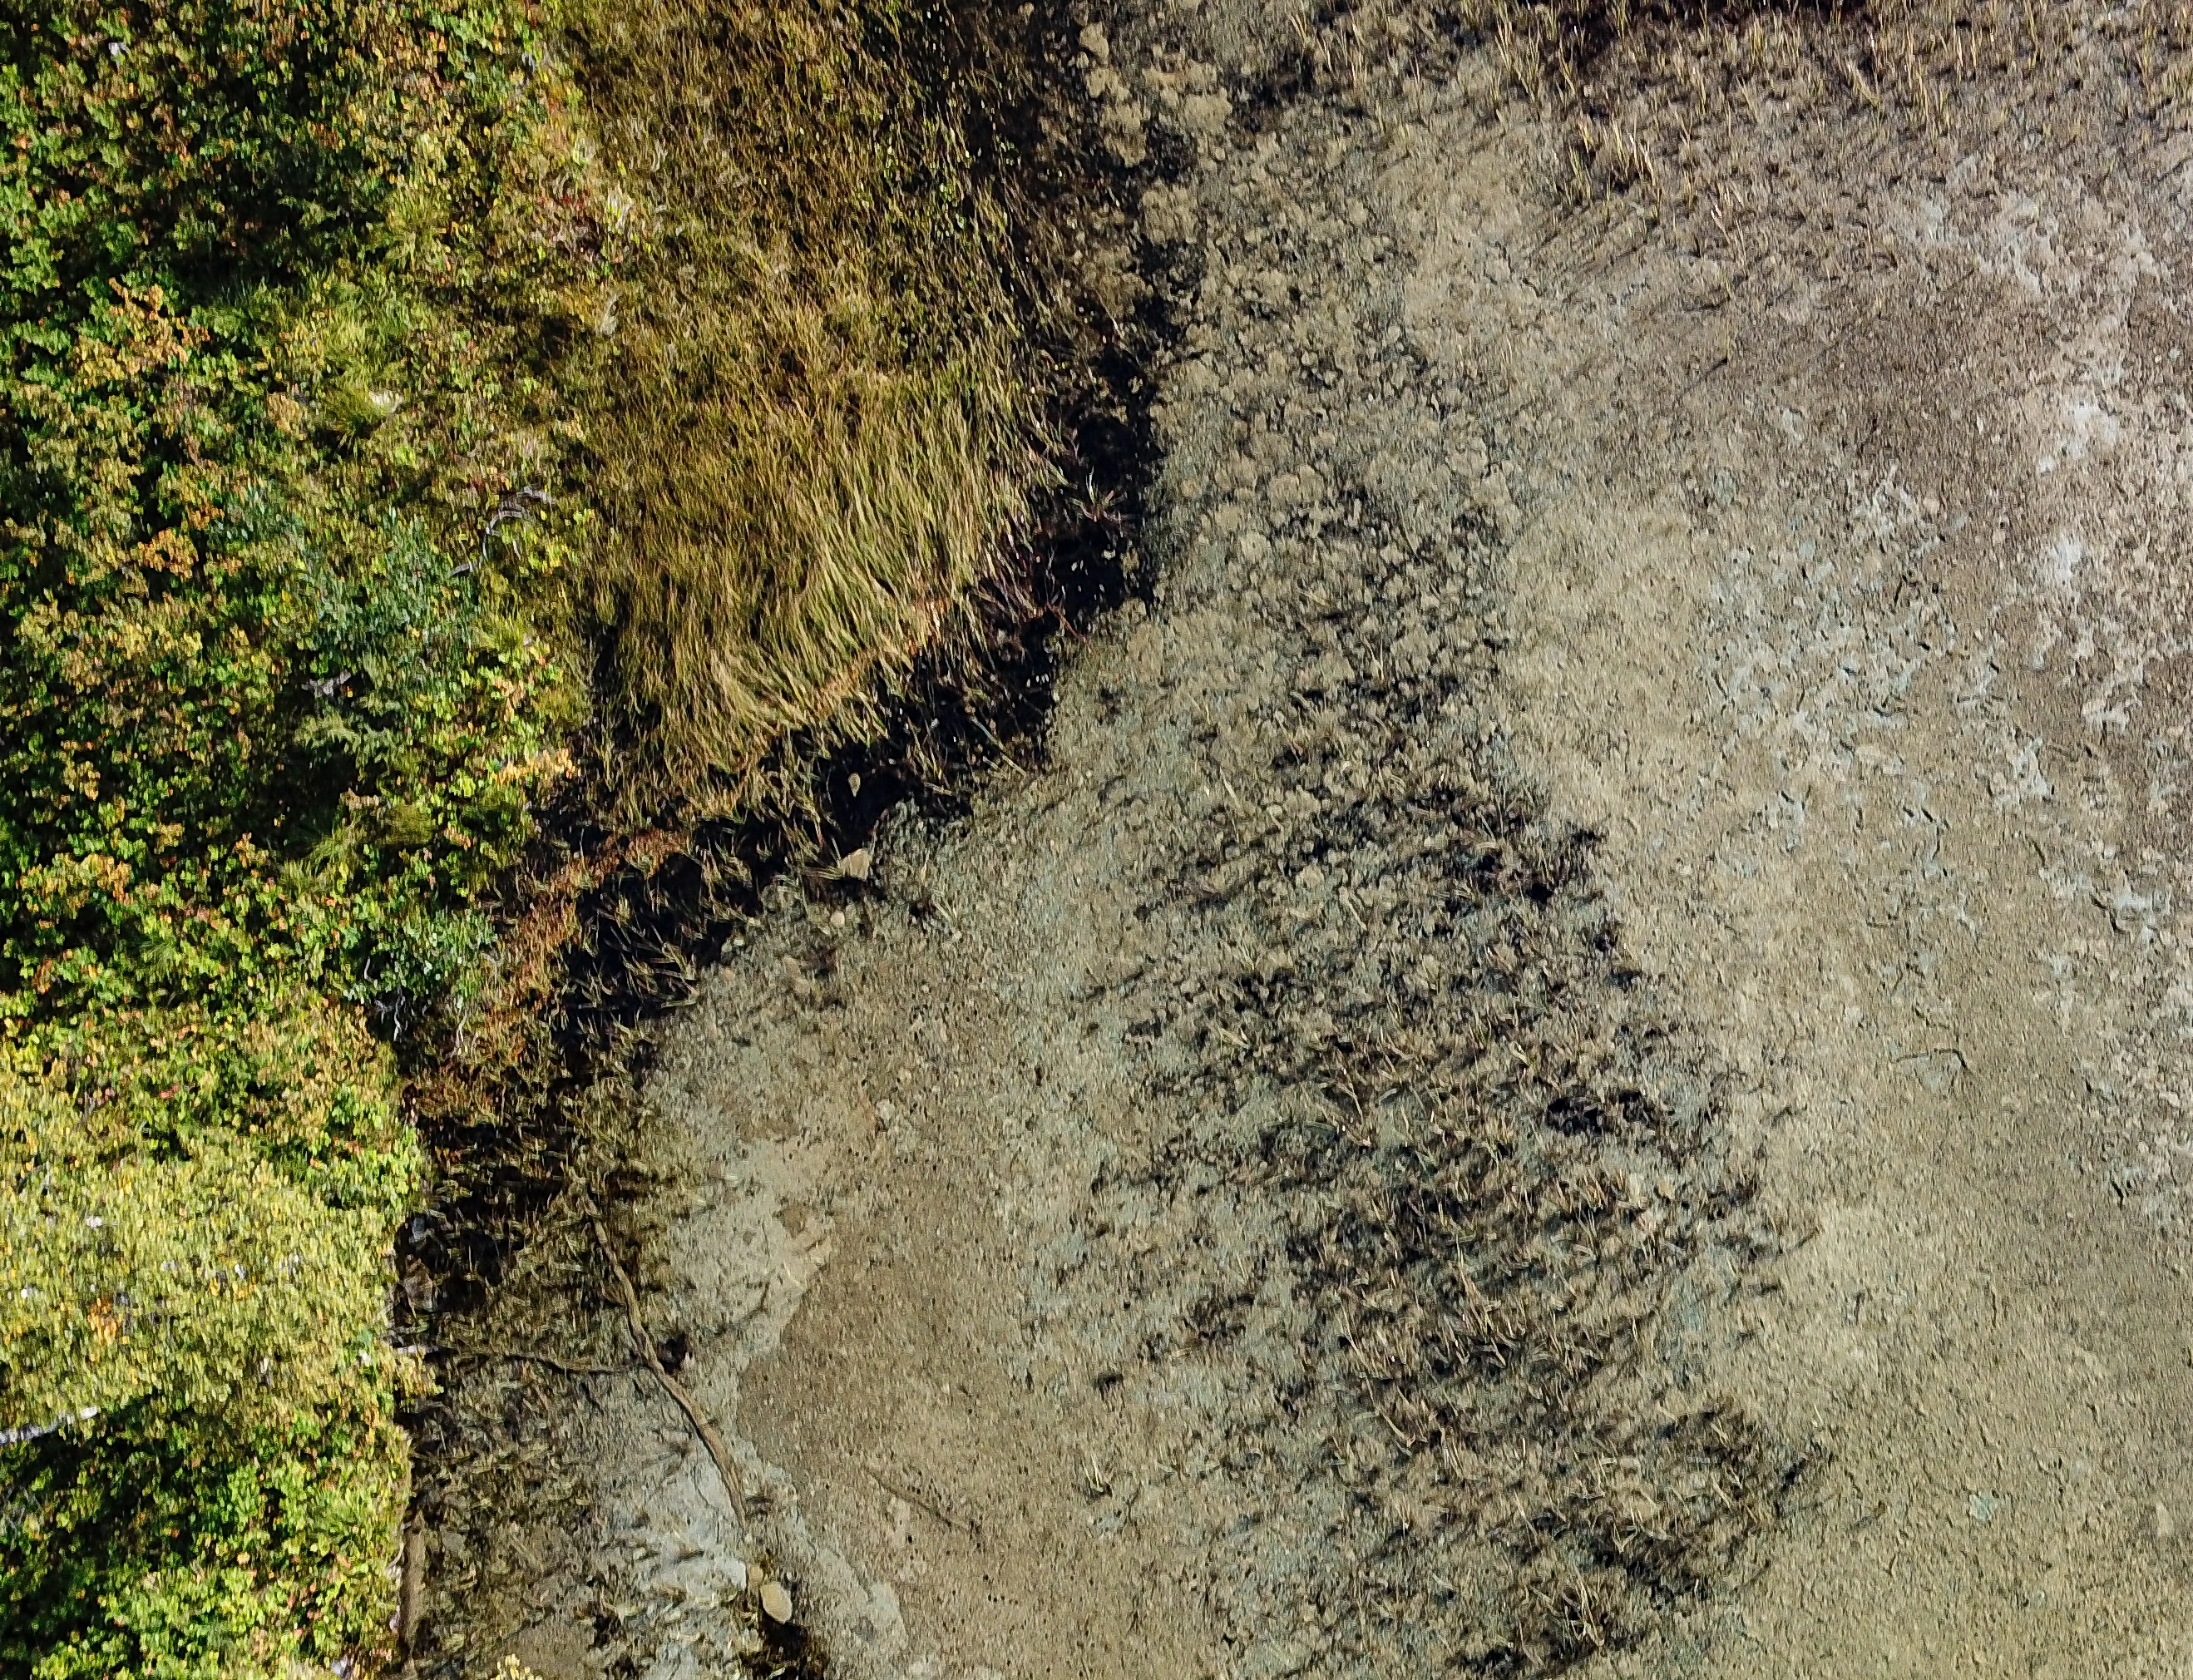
(411, 1586)
(670, 1385)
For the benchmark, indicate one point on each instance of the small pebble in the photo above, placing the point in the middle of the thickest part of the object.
(775, 1601)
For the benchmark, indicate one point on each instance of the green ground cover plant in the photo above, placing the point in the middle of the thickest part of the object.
(361, 425)
(275, 697)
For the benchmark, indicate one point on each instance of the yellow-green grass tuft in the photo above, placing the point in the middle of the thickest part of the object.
(812, 423)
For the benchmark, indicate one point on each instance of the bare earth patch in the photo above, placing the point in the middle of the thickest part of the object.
(1576, 1055)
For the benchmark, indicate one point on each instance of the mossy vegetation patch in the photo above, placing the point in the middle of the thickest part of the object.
(278, 694)
(382, 385)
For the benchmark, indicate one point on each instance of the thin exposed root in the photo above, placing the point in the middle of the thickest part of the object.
(671, 1386)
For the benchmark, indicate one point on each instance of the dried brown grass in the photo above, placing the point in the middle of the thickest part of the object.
(1641, 86)
(814, 424)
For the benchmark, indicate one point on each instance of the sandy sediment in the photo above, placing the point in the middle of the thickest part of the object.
(1574, 1054)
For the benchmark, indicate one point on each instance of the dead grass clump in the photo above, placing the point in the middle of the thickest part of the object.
(1642, 87)
(1458, 1168)
(811, 423)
